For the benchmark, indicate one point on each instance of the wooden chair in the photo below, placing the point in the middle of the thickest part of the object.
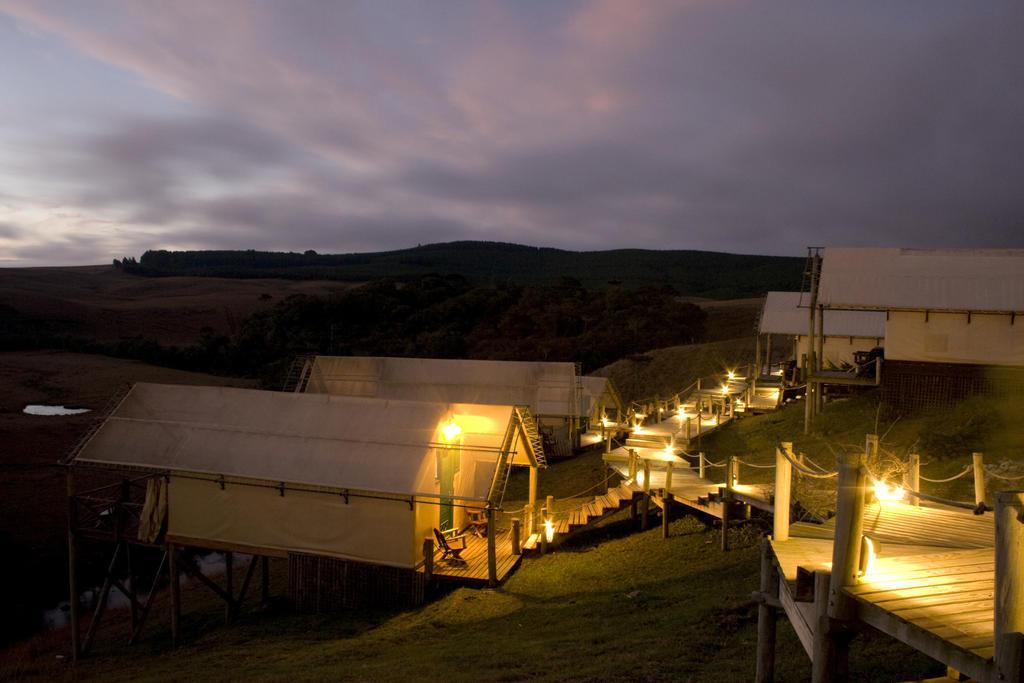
(447, 551)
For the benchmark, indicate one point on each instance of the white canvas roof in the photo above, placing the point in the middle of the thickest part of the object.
(594, 388)
(782, 314)
(548, 388)
(318, 440)
(978, 280)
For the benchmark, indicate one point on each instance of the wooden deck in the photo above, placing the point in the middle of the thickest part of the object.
(931, 585)
(473, 569)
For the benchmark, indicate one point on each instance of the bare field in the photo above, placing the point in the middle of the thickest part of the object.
(105, 304)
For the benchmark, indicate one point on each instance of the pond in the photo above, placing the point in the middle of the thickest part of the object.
(34, 409)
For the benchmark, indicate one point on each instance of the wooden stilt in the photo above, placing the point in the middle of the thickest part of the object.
(229, 585)
(531, 525)
(978, 463)
(428, 559)
(149, 601)
(783, 493)
(767, 616)
(823, 664)
(913, 479)
(1009, 586)
(172, 572)
(246, 580)
(726, 505)
(101, 604)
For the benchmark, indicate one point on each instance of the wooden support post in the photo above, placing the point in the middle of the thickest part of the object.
(607, 438)
(531, 525)
(849, 529)
(428, 559)
(808, 401)
(516, 544)
(689, 421)
(978, 461)
(645, 510)
(265, 580)
(229, 584)
(702, 460)
(1009, 586)
(73, 597)
(492, 558)
(824, 664)
(172, 571)
(726, 505)
(647, 476)
(783, 493)
(632, 509)
(912, 480)
(543, 531)
(668, 478)
(767, 616)
(632, 464)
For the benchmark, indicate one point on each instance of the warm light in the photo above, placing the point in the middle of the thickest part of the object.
(868, 559)
(725, 388)
(731, 375)
(451, 431)
(549, 530)
(639, 416)
(670, 450)
(605, 422)
(638, 430)
(884, 492)
(640, 481)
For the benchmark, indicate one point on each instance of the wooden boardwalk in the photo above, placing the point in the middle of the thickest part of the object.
(930, 585)
(473, 568)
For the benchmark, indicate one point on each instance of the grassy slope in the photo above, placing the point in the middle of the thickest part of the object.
(610, 606)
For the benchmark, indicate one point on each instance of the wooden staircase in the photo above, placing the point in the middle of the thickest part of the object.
(610, 502)
(298, 374)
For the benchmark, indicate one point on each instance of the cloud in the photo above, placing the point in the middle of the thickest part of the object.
(736, 126)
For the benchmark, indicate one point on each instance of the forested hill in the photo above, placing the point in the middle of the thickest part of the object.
(692, 273)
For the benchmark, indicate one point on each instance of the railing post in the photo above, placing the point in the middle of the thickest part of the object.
(688, 428)
(783, 493)
(871, 447)
(647, 476)
(734, 472)
(668, 478)
(516, 546)
(703, 465)
(543, 531)
(1009, 586)
(492, 558)
(978, 461)
(913, 479)
(428, 559)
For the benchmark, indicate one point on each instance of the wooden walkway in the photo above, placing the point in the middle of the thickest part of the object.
(688, 489)
(931, 584)
(473, 568)
(587, 513)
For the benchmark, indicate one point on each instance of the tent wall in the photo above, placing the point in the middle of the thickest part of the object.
(950, 338)
(839, 350)
(365, 529)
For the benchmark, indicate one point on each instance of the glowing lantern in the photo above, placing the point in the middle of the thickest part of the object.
(451, 431)
(549, 529)
(886, 493)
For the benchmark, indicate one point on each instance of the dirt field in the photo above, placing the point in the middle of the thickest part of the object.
(102, 303)
(32, 491)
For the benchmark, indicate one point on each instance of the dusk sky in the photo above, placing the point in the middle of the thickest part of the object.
(752, 127)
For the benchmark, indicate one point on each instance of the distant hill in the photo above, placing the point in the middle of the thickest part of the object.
(693, 273)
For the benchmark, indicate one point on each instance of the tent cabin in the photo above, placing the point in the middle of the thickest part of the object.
(360, 481)
(846, 332)
(951, 325)
(601, 399)
(551, 390)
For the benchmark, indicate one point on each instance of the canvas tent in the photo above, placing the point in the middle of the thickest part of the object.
(846, 331)
(941, 305)
(600, 398)
(355, 478)
(551, 390)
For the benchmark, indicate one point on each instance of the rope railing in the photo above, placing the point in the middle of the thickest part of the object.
(964, 472)
(990, 473)
(803, 469)
(755, 465)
